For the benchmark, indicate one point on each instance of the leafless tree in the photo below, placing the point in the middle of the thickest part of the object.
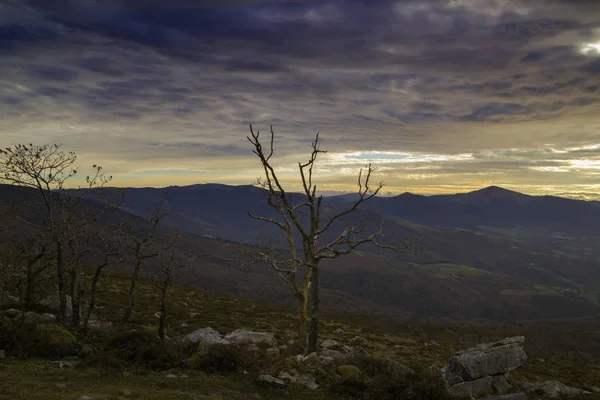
(142, 249)
(170, 263)
(305, 220)
(46, 169)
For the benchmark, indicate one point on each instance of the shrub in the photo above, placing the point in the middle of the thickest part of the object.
(220, 358)
(31, 340)
(145, 349)
(350, 389)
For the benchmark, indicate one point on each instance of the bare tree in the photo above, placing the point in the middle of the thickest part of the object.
(306, 221)
(143, 249)
(46, 169)
(170, 263)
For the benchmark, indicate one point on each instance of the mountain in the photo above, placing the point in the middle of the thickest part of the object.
(475, 266)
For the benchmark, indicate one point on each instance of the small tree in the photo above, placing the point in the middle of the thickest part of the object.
(305, 220)
(46, 169)
(143, 249)
(170, 263)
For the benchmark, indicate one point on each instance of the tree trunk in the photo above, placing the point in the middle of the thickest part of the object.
(30, 288)
(92, 302)
(75, 298)
(132, 286)
(60, 276)
(162, 324)
(302, 319)
(315, 312)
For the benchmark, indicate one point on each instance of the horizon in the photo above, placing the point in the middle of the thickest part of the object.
(443, 96)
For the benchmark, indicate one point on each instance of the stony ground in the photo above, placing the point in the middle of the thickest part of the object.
(414, 343)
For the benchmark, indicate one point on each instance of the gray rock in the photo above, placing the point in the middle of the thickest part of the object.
(8, 299)
(2, 355)
(556, 390)
(273, 352)
(204, 335)
(35, 318)
(241, 336)
(329, 344)
(126, 392)
(271, 381)
(488, 359)
(512, 396)
(53, 303)
(61, 385)
(285, 376)
(339, 331)
(307, 380)
(85, 398)
(527, 386)
(171, 376)
(13, 313)
(486, 386)
(359, 341)
(397, 368)
(336, 355)
(100, 326)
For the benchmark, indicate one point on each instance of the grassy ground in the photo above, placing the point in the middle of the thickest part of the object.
(414, 343)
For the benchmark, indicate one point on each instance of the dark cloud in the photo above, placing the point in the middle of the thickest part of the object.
(168, 82)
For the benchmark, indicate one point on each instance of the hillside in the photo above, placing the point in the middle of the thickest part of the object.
(465, 274)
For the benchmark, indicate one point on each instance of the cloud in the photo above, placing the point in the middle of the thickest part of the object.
(174, 86)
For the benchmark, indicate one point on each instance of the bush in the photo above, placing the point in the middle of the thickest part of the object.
(350, 389)
(30, 340)
(145, 349)
(220, 358)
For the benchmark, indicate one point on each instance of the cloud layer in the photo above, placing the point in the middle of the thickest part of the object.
(444, 95)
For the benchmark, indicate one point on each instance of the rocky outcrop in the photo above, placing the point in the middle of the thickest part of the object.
(483, 370)
(551, 390)
(241, 336)
(203, 335)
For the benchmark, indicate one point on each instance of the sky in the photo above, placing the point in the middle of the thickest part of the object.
(442, 96)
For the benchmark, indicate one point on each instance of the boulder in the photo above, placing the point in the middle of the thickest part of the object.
(204, 335)
(556, 390)
(306, 380)
(512, 396)
(241, 336)
(329, 344)
(53, 303)
(271, 381)
(42, 318)
(488, 359)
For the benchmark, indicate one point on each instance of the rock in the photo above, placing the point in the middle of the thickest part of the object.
(488, 359)
(358, 341)
(85, 398)
(527, 386)
(433, 343)
(61, 385)
(66, 364)
(336, 355)
(100, 326)
(2, 355)
(204, 335)
(271, 381)
(35, 318)
(285, 376)
(397, 368)
(7, 299)
(171, 376)
(595, 389)
(55, 334)
(307, 380)
(126, 392)
(273, 352)
(349, 371)
(13, 313)
(512, 396)
(241, 336)
(556, 390)
(339, 331)
(329, 344)
(53, 303)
